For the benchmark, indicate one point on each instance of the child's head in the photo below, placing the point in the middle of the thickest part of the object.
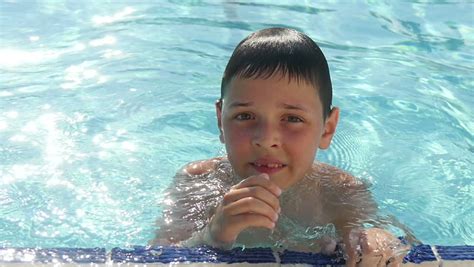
(285, 51)
(275, 107)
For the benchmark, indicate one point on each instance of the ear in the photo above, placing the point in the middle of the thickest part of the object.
(329, 128)
(219, 119)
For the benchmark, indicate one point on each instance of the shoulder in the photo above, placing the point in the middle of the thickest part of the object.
(346, 197)
(334, 176)
(201, 167)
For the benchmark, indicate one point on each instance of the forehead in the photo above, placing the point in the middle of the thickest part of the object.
(272, 86)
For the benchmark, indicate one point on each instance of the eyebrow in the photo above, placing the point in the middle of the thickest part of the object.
(295, 107)
(237, 104)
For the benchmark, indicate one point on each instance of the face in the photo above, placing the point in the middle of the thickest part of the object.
(273, 126)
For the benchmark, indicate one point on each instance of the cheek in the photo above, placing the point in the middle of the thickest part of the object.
(302, 144)
(235, 138)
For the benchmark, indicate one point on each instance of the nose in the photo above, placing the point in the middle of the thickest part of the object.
(266, 136)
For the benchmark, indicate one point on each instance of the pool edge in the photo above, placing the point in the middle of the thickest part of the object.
(421, 255)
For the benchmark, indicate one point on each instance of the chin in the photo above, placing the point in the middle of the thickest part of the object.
(281, 182)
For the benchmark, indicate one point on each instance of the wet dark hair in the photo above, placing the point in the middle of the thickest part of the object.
(287, 51)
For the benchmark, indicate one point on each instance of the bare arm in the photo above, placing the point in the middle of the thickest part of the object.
(203, 207)
(355, 207)
(348, 200)
(188, 203)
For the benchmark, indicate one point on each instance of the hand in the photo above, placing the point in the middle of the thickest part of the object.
(251, 203)
(375, 247)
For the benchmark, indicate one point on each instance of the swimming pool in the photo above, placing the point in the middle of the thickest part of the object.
(100, 104)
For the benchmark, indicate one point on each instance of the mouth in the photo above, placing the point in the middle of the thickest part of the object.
(267, 167)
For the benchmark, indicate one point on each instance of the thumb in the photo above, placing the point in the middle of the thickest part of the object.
(352, 247)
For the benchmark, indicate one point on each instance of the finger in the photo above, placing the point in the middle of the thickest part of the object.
(351, 261)
(258, 192)
(262, 180)
(251, 205)
(391, 258)
(397, 255)
(352, 249)
(393, 262)
(247, 220)
(371, 261)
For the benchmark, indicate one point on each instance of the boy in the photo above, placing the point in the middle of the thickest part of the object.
(274, 113)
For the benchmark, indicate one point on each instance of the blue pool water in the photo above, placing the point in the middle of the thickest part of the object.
(100, 104)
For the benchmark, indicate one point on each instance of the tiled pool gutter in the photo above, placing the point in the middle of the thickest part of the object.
(422, 255)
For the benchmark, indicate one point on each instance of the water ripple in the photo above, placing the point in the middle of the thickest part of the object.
(101, 103)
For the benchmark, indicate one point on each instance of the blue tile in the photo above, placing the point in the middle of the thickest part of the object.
(293, 257)
(419, 254)
(250, 255)
(162, 254)
(456, 252)
(142, 254)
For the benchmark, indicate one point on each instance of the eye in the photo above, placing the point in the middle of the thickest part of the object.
(293, 119)
(243, 117)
